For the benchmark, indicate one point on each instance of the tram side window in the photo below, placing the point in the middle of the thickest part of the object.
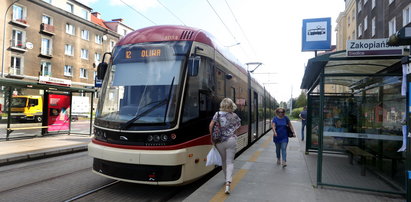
(232, 95)
(220, 83)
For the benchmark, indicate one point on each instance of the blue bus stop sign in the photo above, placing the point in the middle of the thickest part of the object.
(316, 34)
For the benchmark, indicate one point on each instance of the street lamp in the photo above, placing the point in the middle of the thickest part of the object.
(4, 38)
(253, 63)
(249, 95)
(233, 45)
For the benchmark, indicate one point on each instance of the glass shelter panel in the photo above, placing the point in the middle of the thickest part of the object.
(26, 112)
(362, 133)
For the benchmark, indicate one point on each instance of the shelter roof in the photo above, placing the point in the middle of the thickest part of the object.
(339, 63)
(34, 85)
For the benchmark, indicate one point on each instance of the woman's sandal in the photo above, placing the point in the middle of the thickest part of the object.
(227, 188)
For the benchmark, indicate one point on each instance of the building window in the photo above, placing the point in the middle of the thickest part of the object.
(353, 15)
(98, 39)
(112, 44)
(46, 45)
(373, 27)
(68, 49)
(349, 21)
(359, 6)
(360, 30)
(84, 54)
(97, 58)
(83, 73)
(406, 15)
(392, 27)
(365, 1)
(16, 65)
(85, 14)
(85, 34)
(372, 4)
(17, 39)
(365, 23)
(390, 2)
(69, 7)
(70, 29)
(46, 20)
(45, 68)
(19, 13)
(68, 70)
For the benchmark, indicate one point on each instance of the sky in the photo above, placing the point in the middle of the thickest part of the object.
(268, 31)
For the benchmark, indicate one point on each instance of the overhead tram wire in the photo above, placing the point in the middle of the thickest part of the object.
(172, 13)
(241, 28)
(138, 12)
(235, 39)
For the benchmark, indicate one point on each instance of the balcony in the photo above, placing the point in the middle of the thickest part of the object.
(20, 22)
(46, 28)
(18, 45)
(15, 72)
(46, 52)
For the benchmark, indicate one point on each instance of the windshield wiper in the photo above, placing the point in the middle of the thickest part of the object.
(160, 102)
(128, 123)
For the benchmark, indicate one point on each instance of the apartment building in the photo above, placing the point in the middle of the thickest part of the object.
(346, 25)
(368, 19)
(53, 39)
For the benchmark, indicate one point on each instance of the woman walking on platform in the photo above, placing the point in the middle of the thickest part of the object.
(279, 124)
(226, 146)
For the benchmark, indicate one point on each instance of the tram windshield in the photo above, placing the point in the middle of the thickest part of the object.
(143, 91)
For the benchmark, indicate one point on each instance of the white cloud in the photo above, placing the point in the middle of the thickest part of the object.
(140, 5)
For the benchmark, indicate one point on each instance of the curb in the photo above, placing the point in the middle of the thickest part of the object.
(39, 154)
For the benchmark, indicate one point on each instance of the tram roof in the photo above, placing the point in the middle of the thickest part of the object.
(167, 33)
(34, 85)
(161, 33)
(338, 63)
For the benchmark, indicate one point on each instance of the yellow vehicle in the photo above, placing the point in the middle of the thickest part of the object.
(27, 108)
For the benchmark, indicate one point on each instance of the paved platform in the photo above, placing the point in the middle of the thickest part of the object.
(40, 147)
(257, 177)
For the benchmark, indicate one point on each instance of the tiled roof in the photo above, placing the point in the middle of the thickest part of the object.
(98, 21)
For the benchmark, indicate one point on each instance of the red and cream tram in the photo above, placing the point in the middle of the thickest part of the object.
(160, 90)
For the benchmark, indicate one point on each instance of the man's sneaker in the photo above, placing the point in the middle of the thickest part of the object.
(284, 164)
(278, 162)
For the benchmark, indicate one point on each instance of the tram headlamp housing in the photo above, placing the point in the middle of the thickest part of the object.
(150, 138)
(156, 138)
(164, 137)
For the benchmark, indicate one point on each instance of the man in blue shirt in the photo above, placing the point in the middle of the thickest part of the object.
(303, 117)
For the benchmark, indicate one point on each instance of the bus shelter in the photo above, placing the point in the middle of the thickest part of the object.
(30, 109)
(356, 119)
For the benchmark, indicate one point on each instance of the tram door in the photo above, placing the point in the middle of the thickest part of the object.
(254, 116)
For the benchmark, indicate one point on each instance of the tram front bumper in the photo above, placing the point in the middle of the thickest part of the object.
(133, 156)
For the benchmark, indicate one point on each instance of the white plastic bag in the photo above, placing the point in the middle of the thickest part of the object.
(213, 158)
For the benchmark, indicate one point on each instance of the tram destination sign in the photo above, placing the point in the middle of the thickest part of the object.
(372, 47)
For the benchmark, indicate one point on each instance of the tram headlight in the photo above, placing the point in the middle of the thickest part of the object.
(164, 137)
(150, 138)
(156, 138)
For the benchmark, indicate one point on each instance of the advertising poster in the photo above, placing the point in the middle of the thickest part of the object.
(58, 112)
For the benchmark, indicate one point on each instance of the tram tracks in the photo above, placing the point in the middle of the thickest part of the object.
(91, 191)
(42, 181)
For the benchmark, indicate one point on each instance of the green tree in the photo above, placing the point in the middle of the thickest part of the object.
(301, 100)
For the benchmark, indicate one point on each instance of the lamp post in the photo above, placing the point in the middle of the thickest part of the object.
(249, 96)
(236, 44)
(4, 38)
